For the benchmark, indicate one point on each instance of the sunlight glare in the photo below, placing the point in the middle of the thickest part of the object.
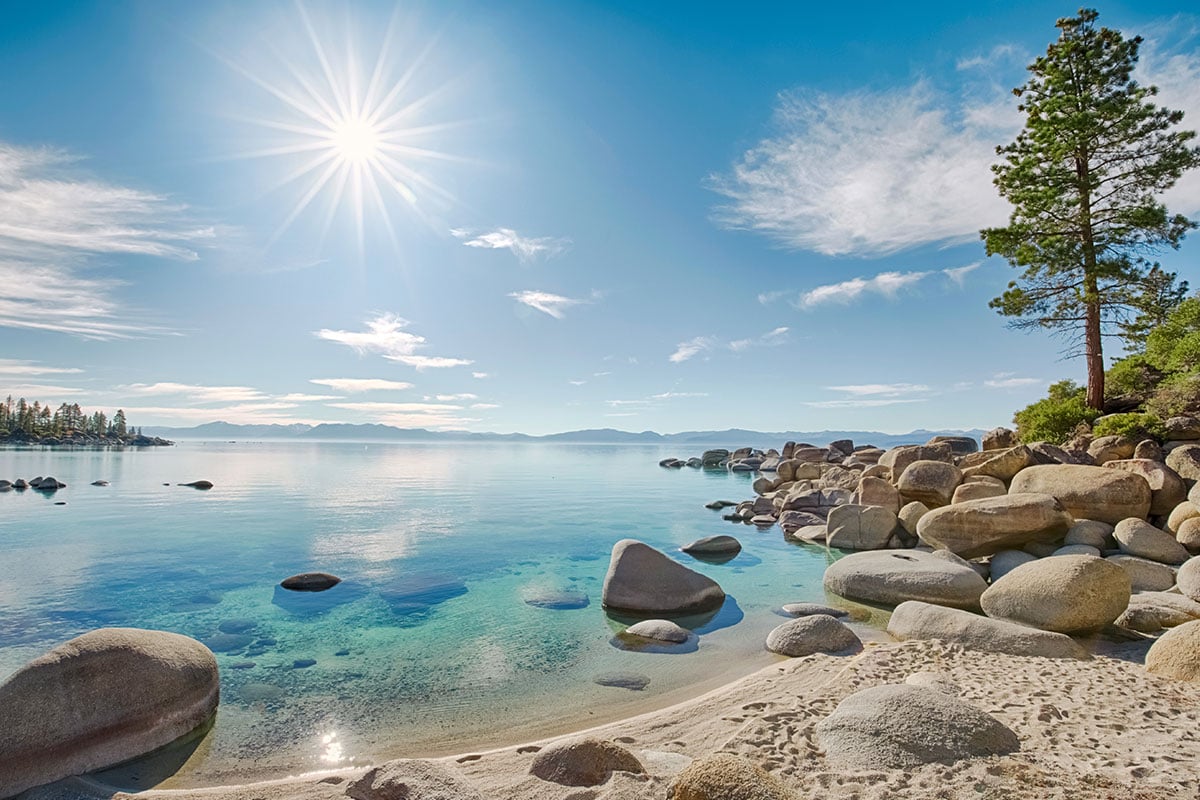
(356, 140)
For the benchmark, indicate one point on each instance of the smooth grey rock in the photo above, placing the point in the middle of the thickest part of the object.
(101, 699)
(1006, 561)
(1139, 538)
(713, 544)
(890, 577)
(644, 580)
(1176, 654)
(1145, 575)
(1188, 578)
(809, 609)
(1077, 550)
(310, 582)
(917, 620)
(818, 633)
(1067, 594)
(1167, 608)
(583, 762)
(901, 726)
(1090, 532)
(662, 630)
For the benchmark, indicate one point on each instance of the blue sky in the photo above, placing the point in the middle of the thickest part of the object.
(529, 216)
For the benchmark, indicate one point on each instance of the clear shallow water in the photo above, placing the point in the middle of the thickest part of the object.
(428, 646)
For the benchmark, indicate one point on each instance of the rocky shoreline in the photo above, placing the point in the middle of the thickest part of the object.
(1044, 602)
(83, 440)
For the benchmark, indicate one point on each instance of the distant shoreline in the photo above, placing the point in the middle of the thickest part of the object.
(84, 440)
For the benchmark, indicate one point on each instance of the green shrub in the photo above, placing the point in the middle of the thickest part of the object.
(1055, 418)
(1176, 396)
(1174, 346)
(1133, 376)
(1137, 426)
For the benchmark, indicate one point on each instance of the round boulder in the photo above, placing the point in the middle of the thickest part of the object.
(1185, 460)
(983, 527)
(662, 630)
(1167, 489)
(644, 580)
(1090, 532)
(916, 620)
(583, 762)
(818, 633)
(1006, 561)
(1067, 594)
(1176, 654)
(809, 609)
(900, 726)
(1188, 534)
(1188, 578)
(1107, 495)
(1137, 537)
(891, 577)
(855, 527)
(724, 776)
(713, 545)
(1145, 575)
(76, 709)
(930, 482)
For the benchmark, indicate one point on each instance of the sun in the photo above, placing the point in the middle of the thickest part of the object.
(352, 135)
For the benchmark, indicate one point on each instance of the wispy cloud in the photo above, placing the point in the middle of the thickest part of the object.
(386, 335)
(55, 222)
(396, 407)
(1170, 60)
(440, 416)
(885, 389)
(480, 375)
(1000, 54)
(768, 339)
(692, 348)
(450, 398)
(266, 413)
(1009, 381)
(42, 391)
(959, 274)
(525, 248)
(484, 406)
(577, 383)
(553, 304)
(861, 403)
(887, 284)
(11, 366)
(301, 397)
(673, 395)
(356, 385)
(703, 344)
(196, 393)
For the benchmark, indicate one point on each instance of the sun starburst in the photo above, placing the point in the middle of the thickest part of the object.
(354, 146)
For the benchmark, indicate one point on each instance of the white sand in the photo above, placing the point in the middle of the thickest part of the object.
(1097, 729)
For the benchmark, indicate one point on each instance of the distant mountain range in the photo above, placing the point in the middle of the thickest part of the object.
(734, 437)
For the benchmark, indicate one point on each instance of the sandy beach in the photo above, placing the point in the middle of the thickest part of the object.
(1102, 728)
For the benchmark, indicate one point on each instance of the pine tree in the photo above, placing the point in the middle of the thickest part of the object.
(1083, 176)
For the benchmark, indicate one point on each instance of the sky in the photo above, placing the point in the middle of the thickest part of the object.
(529, 216)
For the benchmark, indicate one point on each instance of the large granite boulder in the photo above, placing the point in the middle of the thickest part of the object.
(583, 762)
(645, 581)
(929, 482)
(1111, 448)
(982, 527)
(1167, 609)
(413, 778)
(1145, 575)
(875, 491)
(890, 577)
(1107, 495)
(1139, 538)
(1167, 489)
(854, 527)
(1185, 460)
(1000, 439)
(1003, 464)
(1188, 578)
(917, 620)
(898, 458)
(902, 726)
(977, 490)
(725, 776)
(100, 699)
(1067, 594)
(959, 445)
(816, 633)
(1176, 654)
(1006, 561)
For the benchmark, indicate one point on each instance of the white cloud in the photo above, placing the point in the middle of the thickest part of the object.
(619, 403)
(439, 416)
(766, 298)
(577, 383)
(885, 389)
(547, 303)
(11, 366)
(863, 403)
(768, 339)
(301, 397)
(692, 348)
(238, 414)
(40, 391)
(885, 283)
(197, 394)
(449, 398)
(1004, 382)
(480, 375)
(54, 222)
(355, 385)
(1170, 60)
(397, 408)
(482, 406)
(1000, 54)
(871, 173)
(525, 248)
(673, 395)
(385, 335)
(959, 274)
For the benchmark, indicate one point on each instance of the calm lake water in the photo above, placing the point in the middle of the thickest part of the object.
(429, 645)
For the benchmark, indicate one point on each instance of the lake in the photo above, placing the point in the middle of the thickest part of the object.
(429, 645)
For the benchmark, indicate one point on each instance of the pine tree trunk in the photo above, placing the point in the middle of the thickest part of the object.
(1094, 355)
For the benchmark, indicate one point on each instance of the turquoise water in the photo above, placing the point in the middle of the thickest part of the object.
(429, 645)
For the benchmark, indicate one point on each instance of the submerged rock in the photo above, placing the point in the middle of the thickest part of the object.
(555, 598)
(198, 484)
(632, 681)
(310, 582)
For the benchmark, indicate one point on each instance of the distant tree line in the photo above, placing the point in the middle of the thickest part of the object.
(21, 419)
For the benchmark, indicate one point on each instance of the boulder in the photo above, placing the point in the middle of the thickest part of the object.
(977, 490)
(1167, 609)
(714, 458)
(1078, 550)
(725, 776)
(855, 527)
(876, 491)
(999, 439)
(929, 482)
(836, 477)
(1068, 594)
(1090, 532)
(890, 577)
(198, 484)
(662, 630)
(310, 582)
(1006, 561)
(982, 527)
(555, 597)
(916, 620)
(812, 534)
(1182, 428)
(1167, 489)
(866, 454)
(809, 609)
(1003, 464)
(643, 580)
(1046, 453)
(411, 778)
(816, 633)
(583, 762)
(898, 458)
(1176, 654)
(897, 726)
(1139, 538)
(1145, 575)
(1107, 495)
(1188, 535)
(1184, 511)
(1150, 450)
(959, 445)
(713, 545)
(1188, 579)
(101, 699)
(910, 516)
(1185, 460)
(1111, 448)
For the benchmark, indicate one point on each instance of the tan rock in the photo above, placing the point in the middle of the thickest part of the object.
(982, 527)
(1167, 489)
(1176, 654)
(929, 482)
(1145, 575)
(1111, 448)
(1139, 538)
(1188, 535)
(890, 577)
(1000, 439)
(1188, 578)
(855, 527)
(910, 516)
(898, 458)
(1184, 511)
(1067, 594)
(876, 491)
(1003, 464)
(1107, 495)
(816, 633)
(977, 490)
(916, 620)
(582, 762)
(1185, 460)
(1090, 532)
(724, 776)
